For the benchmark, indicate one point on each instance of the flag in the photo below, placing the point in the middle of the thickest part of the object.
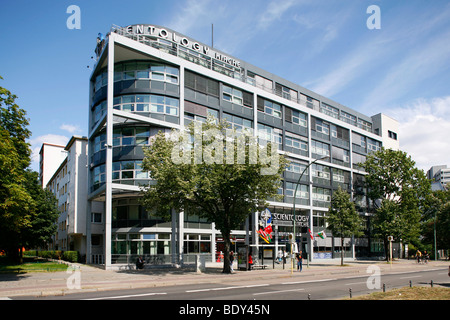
(322, 234)
(310, 234)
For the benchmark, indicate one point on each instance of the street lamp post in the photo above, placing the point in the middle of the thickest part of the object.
(293, 209)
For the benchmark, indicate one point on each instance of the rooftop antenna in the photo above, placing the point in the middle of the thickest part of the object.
(212, 35)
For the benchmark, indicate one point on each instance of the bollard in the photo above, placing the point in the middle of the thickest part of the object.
(309, 296)
(350, 292)
(410, 283)
(384, 287)
(432, 283)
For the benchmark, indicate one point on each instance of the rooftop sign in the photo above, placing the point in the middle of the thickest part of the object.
(159, 32)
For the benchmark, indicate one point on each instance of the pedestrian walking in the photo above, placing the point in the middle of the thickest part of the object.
(299, 261)
(231, 261)
(279, 256)
(418, 255)
(250, 261)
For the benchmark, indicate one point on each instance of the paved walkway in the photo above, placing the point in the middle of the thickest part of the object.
(84, 278)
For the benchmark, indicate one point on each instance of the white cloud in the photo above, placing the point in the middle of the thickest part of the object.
(424, 128)
(70, 128)
(36, 144)
(273, 12)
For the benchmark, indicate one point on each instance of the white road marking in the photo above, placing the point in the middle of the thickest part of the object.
(128, 296)
(410, 277)
(227, 288)
(310, 281)
(349, 284)
(280, 291)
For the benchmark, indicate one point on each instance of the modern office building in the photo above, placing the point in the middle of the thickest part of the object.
(147, 79)
(69, 184)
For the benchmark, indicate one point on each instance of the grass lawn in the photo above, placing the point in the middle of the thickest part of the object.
(407, 293)
(32, 266)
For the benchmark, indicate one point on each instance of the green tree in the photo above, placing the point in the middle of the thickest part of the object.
(14, 159)
(398, 191)
(44, 213)
(27, 212)
(208, 184)
(436, 220)
(342, 218)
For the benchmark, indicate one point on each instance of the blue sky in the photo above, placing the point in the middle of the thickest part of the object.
(401, 69)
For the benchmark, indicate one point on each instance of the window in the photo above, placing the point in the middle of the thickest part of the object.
(296, 143)
(144, 70)
(272, 109)
(96, 217)
(98, 176)
(320, 149)
(340, 155)
(299, 118)
(131, 136)
(365, 125)
(297, 167)
(339, 133)
(321, 197)
(321, 126)
(270, 134)
(392, 135)
(373, 145)
(285, 92)
(237, 122)
(347, 117)
(269, 107)
(232, 95)
(147, 103)
(99, 142)
(123, 170)
(321, 173)
(201, 84)
(329, 110)
(99, 111)
(302, 190)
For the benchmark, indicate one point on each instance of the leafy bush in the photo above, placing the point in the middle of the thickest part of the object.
(70, 256)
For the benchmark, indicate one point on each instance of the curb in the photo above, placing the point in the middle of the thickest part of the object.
(96, 280)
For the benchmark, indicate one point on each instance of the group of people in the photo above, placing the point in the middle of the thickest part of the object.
(422, 257)
(250, 261)
(298, 257)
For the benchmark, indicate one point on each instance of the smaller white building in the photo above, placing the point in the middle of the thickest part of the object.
(69, 184)
(50, 158)
(387, 128)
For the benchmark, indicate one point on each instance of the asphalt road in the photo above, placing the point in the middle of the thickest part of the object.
(326, 288)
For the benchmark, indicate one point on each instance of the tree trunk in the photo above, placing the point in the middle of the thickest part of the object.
(342, 251)
(386, 248)
(226, 253)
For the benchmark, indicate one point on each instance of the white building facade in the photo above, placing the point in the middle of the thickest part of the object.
(148, 79)
(69, 185)
(50, 158)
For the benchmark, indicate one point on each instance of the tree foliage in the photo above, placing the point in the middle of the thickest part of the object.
(399, 191)
(437, 218)
(23, 203)
(210, 187)
(342, 218)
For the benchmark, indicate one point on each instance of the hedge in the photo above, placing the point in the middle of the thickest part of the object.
(69, 256)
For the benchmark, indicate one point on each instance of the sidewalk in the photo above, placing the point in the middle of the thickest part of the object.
(83, 278)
